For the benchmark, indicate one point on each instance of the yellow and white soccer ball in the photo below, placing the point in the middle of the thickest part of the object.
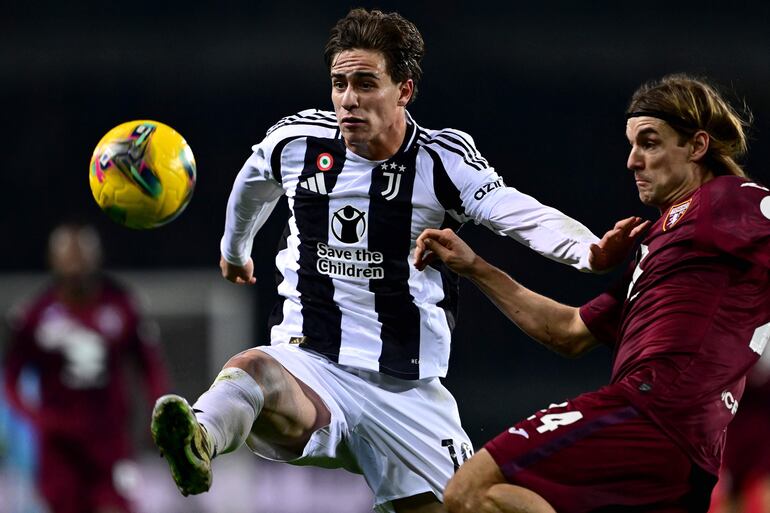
(142, 174)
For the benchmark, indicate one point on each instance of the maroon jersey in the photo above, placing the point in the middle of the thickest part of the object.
(692, 314)
(80, 353)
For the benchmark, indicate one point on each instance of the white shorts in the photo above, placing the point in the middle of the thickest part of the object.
(404, 436)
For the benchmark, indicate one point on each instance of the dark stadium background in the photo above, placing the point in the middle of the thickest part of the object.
(541, 86)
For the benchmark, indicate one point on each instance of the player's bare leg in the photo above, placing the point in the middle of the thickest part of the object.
(480, 487)
(756, 496)
(764, 494)
(292, 411)
(253, 393)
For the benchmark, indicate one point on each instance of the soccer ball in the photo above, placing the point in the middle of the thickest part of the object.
(142, 174)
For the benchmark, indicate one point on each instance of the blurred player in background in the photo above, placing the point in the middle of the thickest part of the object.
(686, 323)
(360, 338)
(78, 335)
(744, 480)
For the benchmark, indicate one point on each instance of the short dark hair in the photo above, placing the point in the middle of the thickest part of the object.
(394, 36)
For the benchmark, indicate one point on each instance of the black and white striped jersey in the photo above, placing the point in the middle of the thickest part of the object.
(348, 287)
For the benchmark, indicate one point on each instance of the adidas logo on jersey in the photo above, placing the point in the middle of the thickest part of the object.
(315, 183)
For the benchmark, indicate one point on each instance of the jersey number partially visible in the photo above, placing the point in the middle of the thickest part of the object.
(554, 420)
(551, 421)
(465, 451)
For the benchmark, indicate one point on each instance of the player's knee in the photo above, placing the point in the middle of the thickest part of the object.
(478, 497)
(264, 369)
(459, 498)
(454, 503)
(514, 499)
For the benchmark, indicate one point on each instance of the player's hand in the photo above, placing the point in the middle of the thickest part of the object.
(423, 257)
(616, 244)
(446, 245)
(242, 275)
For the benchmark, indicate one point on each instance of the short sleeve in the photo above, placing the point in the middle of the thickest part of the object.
(602, 315)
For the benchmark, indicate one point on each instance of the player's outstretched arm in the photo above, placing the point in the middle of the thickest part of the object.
(240, 274)
(615, 245)
(553, 324)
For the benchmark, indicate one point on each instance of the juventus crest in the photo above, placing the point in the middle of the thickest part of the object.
(393, 173)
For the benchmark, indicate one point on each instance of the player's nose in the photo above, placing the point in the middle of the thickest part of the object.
(635, 160)
(349, 99)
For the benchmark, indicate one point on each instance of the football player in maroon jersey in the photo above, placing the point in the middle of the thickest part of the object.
(685, 323)
(78, 334)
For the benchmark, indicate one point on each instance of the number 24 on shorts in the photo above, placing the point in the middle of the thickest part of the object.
(551, 421)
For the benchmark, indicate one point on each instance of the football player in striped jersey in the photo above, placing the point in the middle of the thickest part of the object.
(360, 338)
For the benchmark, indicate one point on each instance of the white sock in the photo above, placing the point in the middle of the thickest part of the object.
(229, 408)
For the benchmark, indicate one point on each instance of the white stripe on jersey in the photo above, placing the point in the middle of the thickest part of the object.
(286, 260)
(361, 344)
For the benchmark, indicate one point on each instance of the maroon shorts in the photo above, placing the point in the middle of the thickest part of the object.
(597, 453)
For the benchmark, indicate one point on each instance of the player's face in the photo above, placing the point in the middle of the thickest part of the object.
(74, 254)
(663, 169)
(368, 104)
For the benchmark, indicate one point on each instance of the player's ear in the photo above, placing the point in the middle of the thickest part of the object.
(406, 90)
(700, 145)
